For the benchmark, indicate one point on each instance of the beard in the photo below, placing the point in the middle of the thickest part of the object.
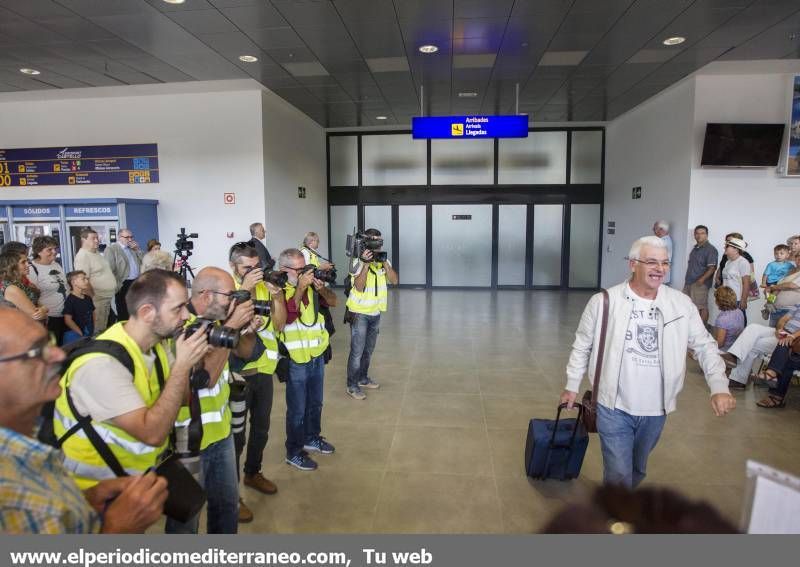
(164, 331)
(216, 311)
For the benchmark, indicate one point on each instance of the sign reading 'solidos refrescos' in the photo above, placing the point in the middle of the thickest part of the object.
(79, 165)
(469, 127)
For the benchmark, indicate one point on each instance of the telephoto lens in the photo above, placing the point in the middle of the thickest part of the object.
(261, 307)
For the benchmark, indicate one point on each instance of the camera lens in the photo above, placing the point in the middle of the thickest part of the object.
(261, 307)
(224, 337)
(276, 278)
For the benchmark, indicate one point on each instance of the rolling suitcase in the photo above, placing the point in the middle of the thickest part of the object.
(555, 448)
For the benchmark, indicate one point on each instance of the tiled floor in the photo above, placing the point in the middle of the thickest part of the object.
(439, 448)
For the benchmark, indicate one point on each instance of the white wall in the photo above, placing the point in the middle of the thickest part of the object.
(648, 147)
(211, 140)
(294, 156)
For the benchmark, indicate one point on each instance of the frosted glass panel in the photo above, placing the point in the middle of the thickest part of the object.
(394, 159)
(344, 160)
(412, 249)
(511, 244)
(462, 162)
(548, 228)
(584, 245)
(343, 219)
(587, 157)
(462, 249)
(380, 218)
(541, 158)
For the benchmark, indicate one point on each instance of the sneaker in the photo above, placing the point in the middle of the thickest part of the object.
(260, 483)
(356, 393)
(245, 514)
(369, 384)
(303, 462)
(319, 445)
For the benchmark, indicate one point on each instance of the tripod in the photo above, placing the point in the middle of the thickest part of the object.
(184, 269)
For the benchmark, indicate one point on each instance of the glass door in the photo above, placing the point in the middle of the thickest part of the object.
(511, 233)
(106, 233)
(462, 245)
(548, 230)
(412, 245)
(584, 245)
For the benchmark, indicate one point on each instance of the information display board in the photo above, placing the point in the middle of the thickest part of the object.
(79, 165)
(468, 127)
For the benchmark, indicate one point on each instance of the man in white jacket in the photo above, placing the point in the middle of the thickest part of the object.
(650, 326)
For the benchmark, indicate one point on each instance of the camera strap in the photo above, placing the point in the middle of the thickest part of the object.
(314, 303)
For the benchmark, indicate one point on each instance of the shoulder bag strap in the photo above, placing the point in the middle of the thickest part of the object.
(601, 348)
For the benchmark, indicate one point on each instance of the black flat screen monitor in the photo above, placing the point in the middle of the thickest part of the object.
(742, 145)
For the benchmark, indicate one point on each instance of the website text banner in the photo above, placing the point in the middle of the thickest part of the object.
(393, 551)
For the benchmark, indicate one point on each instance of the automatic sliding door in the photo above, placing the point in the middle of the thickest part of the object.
(511, 234)
(548, 230)
(380, 217)
(412, 246)
(343, 220)
(462, 245)
(584, 245)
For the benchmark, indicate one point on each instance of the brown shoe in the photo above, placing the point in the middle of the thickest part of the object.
(245, 514)
(260, 483)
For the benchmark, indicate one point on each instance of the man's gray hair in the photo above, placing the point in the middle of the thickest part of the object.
(663, 224)
(253, 228)
(651, 241)
(309, 237)
(283, 259)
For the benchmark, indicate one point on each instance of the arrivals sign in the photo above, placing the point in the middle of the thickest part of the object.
(79, 165)
(469, 127)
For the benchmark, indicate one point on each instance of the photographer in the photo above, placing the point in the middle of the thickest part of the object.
(133, 414)
(247, 275)
(204, 423)
(311, 256)
(38, 496)
(365, 304)
(306, 339)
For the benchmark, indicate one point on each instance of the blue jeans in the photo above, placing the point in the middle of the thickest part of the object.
(218, 462)
(626, 441)
(303, 404)
(776, 315)
(363, 336)
(783, 363)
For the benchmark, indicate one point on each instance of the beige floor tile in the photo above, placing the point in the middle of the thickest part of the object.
(527, 505)
(444, 381)
(437, 503)
(442, 410)
(440, 450)
(381, 407)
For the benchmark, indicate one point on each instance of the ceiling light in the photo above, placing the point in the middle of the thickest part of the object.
(380, 118)
(248, 58)
(674, 40)
(30, 71)
(174, 1)
(468, 94)
(428, 49)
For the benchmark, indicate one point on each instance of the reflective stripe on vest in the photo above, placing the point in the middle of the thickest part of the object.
(88, 467)
(373, 298)
(306, 337)
(266, 363)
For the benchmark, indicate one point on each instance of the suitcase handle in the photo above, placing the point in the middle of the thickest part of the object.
(577, 422)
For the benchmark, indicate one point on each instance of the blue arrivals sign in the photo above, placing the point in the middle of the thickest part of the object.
(468, 127)
(79, 165)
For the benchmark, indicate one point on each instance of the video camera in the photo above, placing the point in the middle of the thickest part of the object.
(260, 306)
(358, 242)
(184, 246)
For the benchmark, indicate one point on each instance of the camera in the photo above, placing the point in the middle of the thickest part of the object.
(260, 307)
(358, 242)
(274, 277)
(218, 336)
(321, 275)
(184, 245)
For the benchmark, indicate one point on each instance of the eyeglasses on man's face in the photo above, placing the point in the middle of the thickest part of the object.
(38, 350)
(654, 263)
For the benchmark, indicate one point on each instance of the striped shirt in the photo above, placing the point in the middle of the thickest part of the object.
(37, 496)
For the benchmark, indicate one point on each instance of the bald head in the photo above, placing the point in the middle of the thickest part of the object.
(24, 329)
(211, 278)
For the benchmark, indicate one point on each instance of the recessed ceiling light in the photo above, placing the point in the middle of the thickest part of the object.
(248, 58)
(428, 49)
(380, 118)
(30, 71)
(174, 1)
(674, 40)
(468, 94)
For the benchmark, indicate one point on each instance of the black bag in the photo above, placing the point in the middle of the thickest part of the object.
(186, 497)
(555, 448)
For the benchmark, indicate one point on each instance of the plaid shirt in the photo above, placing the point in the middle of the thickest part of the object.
(36, 493)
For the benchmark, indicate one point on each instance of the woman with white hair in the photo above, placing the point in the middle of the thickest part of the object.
(661, 229)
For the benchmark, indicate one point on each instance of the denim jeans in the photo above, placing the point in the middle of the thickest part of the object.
(626, 442)
(783, 363)
(776, 315)
(303, 404)
(363, 336)
(218, 462)
(258, 400)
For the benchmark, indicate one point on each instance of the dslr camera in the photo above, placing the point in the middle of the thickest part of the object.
(260, 307)
(323, 276)
(218, 335)
(276, 278)
(359, 242)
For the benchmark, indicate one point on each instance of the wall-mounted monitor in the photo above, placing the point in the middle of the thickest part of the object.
(742, 145)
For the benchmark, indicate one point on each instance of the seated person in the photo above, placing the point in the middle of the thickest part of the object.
(730, 321)
(782, 364)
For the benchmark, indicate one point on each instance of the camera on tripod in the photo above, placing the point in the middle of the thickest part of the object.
(184, 245)
(359, 242)
(260, 307)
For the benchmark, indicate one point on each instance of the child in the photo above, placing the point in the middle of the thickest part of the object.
(730, 321)
(78, 308)
(775, 272)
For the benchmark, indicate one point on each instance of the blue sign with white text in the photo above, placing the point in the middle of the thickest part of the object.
(468, 127)
(100, 210)
(35, 212)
